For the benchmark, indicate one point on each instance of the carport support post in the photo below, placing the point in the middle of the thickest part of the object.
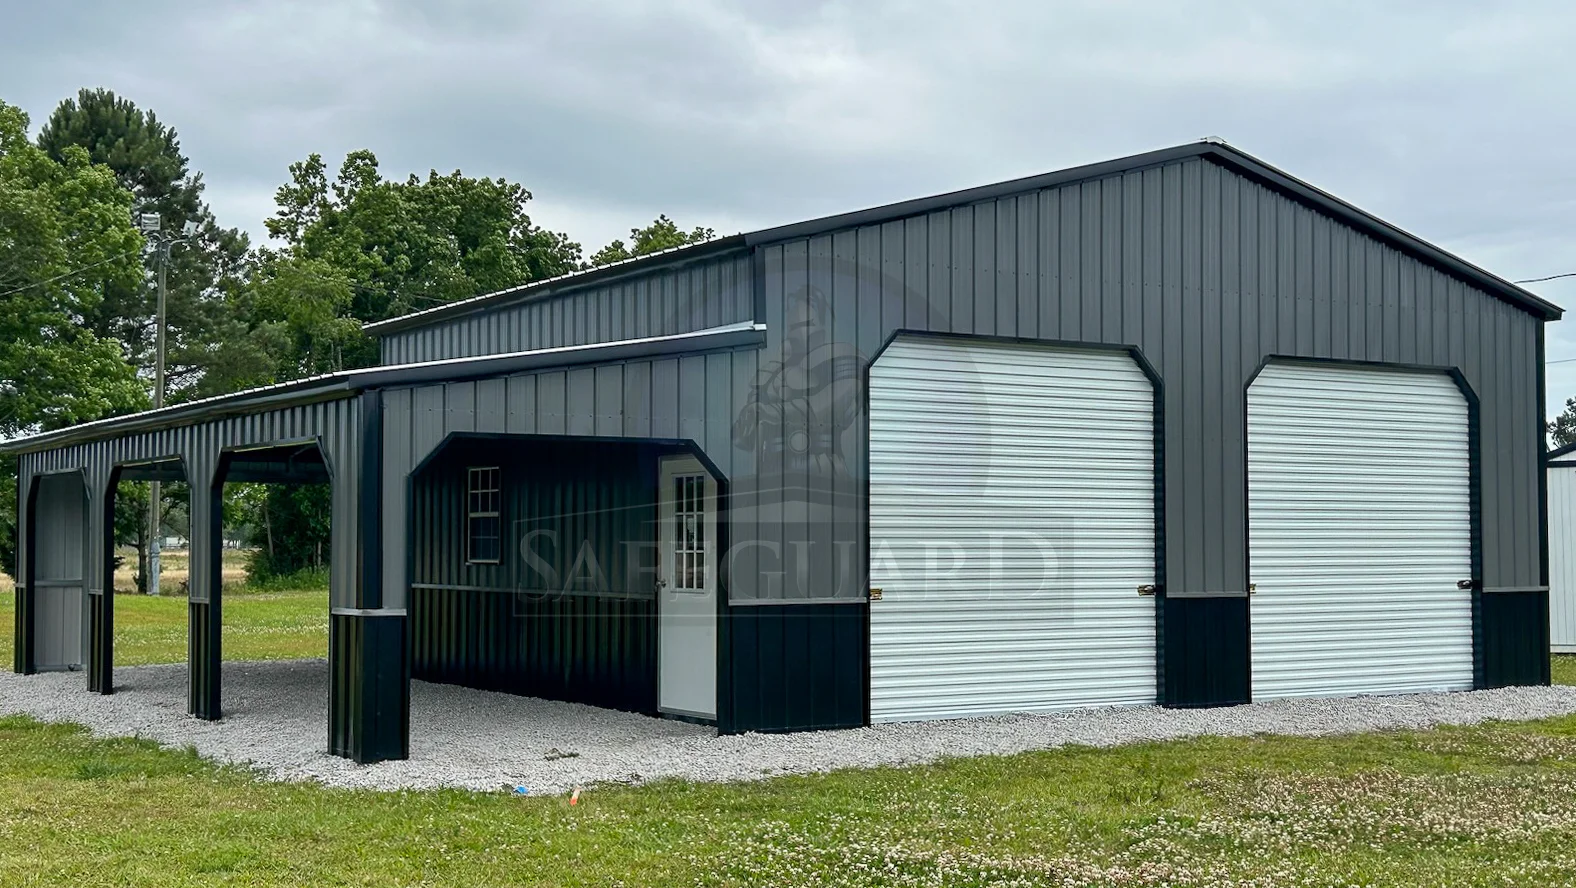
(23, 662)
(206, 477)
(368, 657)
(100, 580)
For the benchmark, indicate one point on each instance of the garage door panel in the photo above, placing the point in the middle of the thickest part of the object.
(1359, 528)
(973, 446)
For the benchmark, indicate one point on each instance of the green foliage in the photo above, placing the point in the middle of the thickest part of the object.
(310, 579)
(65, 237)
(8, 513)
(362, 248)
(661, 234)
(401, 246)
(1562, 430)
(208, 350)
(294, 532)
(144, 154)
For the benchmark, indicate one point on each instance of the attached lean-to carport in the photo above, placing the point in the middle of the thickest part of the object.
(330, 428)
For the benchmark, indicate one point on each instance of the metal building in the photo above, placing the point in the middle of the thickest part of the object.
(1561, 469)
(1174, 428)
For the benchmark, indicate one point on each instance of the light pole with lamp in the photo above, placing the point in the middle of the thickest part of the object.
(162, 244)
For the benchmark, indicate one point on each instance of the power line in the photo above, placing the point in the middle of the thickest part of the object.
(74, 271)
(1552, 277)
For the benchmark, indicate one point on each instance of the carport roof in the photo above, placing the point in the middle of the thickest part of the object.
(1214, 150)
(345, 383)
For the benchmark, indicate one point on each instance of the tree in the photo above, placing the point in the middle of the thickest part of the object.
(294, 525)
(205, 337)
(661, 234)
(1562, 430)
(361, 248)
(66, 239)
(404, 246)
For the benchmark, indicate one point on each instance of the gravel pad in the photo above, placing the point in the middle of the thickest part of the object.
(276, 719)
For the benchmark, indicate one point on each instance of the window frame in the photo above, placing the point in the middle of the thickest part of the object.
(492, 475)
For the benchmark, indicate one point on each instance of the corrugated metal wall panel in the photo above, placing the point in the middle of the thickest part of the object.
(708, 293)
(570, 501)
(1012, 520)
(1515, 638)
(199, 447)
(664, 398)
(598, 651)
(1562, 558)
(1359, 527)
(1208, 273)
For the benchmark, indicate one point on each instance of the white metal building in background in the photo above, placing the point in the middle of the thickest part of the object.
(1562, 549)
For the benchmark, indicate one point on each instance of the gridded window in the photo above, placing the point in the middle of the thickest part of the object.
(483, 517)
(689, 539)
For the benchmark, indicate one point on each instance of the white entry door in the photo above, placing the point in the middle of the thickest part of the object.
(687, 589)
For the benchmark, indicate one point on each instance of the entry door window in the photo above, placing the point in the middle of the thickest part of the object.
(689, 533)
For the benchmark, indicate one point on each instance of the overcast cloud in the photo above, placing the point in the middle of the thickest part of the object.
(1453, 120)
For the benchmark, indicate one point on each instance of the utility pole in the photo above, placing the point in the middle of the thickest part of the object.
(150, 225)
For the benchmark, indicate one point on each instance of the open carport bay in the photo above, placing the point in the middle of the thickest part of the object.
(275, 712)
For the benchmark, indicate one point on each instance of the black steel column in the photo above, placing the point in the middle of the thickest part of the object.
(23, 662)
(100, 579)
(369, 691)
(204, 614)
(368, 646)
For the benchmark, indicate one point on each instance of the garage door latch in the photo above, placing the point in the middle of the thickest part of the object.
(1148, 589)
(875, 594)
(1467, 584)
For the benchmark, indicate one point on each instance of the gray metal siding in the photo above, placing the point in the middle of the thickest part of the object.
(691, 397)
(568, 493)
(1208, 273)
(199, 447)
(681, 299)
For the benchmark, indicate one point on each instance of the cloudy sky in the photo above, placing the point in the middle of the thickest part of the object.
(1450, 119)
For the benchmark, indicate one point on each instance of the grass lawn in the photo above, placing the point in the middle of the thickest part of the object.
(1489, 805)
(257, 626)
(1492, 805)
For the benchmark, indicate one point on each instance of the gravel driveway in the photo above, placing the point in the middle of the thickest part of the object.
(276, 719)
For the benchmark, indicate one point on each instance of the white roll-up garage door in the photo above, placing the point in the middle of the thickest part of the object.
(1012, 511)
(1359, 528)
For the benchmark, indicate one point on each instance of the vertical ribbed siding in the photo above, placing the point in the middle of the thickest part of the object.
(579, 624)
(199, 449)
(692, 397)
(587, 502)
(57, 585)
(1208, 273)
(708, 293)
(582, 649)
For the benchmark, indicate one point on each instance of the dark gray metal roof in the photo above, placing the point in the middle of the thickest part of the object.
(1553, 455)
(1213, 150)
(348, 382)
